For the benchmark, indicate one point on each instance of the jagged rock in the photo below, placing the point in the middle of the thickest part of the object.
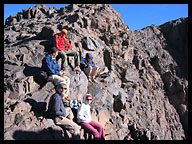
(12, 21)
(46, 33)
(119, 100)
(175, 31)
(131, 75)
(142, 88)
(78, 86)
(88, 44)
(8, 119)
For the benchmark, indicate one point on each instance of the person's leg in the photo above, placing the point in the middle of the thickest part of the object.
(88, 72)
(77, 59)
(99, 128)
(56, 79)
(69, 125)
(90, 129)
(60, 55)
(63, 59)
(94, 73)
(75, 54)
(65, 62)
(69, 113)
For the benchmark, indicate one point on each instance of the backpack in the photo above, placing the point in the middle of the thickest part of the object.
(51, 40)
(74, 105)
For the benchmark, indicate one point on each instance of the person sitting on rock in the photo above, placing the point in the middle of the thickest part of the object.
(52, 70)
(65, 49)
(61, 115)
(89, 67)
(84, 119)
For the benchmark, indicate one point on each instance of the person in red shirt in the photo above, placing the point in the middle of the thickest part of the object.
(65, 49)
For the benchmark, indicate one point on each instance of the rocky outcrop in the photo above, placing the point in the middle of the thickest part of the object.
(142, 89)
(173, 31)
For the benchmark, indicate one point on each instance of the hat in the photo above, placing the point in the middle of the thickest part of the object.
(64, 30)
(88, 96)
(62, 84)
(88, 55)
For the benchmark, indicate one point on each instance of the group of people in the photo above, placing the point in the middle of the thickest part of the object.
(58, 107)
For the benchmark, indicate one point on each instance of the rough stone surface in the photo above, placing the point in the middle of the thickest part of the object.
(142, 89)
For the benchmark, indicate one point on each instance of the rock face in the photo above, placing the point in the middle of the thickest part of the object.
(142, 89)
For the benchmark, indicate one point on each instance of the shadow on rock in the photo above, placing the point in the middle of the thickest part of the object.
(45, 134)
(35, 72)
(46, 45)
(24, 40)
(37, 107)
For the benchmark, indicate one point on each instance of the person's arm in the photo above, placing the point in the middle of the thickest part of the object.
(57, 71)
(59, 109)
(83, 62)
(91, 63)
(68, 44)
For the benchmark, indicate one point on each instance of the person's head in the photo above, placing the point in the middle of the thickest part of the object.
(61, 88)
(87, 98)
(53, 52)
(89, 57)
(63, 32)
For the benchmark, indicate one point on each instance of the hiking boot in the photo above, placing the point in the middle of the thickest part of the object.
(94, 80)
(78, 69)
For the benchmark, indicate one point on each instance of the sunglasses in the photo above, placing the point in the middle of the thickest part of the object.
(88, 99)
(63, 88)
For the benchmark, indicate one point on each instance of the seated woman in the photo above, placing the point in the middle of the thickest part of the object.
(84, 119)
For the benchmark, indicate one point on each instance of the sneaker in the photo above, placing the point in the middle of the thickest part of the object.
(78, 69)
(94, 80)
(89, 79)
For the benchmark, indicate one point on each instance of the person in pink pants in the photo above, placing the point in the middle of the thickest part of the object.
(84, 119)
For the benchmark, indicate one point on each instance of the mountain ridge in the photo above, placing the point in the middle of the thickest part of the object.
(142, 89)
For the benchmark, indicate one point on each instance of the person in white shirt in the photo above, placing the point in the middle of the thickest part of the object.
(84, 119)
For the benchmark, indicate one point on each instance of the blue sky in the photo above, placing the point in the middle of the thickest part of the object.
(136, 16)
